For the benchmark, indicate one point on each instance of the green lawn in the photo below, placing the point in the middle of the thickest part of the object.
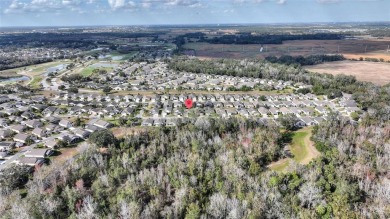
(280, 167)
(88, 71)
(298, 147)
(36, 81)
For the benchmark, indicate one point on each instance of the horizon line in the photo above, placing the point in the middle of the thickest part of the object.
(200, 24)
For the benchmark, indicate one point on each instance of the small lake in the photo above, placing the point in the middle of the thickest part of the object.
(56, 69)
(116, 58)
(16, 79)
(104, 65)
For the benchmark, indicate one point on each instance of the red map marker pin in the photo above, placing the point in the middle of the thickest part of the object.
(188, 103)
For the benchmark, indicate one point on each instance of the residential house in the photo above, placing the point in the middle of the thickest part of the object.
(82, 133)
(22, 138)
(6, 145)
(51, 143)
(33, 123)
(5, 133)
(147, 122)
(39, 153)
(30, 161)
(65, 123)
(41, 133)
(17, 128)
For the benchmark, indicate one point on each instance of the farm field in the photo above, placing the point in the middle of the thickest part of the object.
(376, 72)
(351, 48)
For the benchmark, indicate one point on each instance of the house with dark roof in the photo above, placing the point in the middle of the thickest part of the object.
(6, 145)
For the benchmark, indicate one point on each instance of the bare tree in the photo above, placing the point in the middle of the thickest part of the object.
(89, 209)
(218, 206)
(310, 195)
(129, 210)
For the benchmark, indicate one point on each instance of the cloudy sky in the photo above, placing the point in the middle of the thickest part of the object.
(138, 12)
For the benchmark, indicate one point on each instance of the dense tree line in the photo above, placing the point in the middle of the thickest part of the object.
(84, 41)
(270, 38)
(16, 62)
(194, 169)
(301, 60)
(75, 78)
(213, 169)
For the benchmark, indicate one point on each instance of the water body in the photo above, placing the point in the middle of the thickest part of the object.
(56, 69)
(104, 56)
(15, 79)
(104, 65)
(116, 58)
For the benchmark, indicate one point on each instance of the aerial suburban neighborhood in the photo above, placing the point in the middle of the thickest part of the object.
(36, 125)
(193, 121)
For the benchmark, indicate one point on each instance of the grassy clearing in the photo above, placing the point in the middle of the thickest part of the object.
(302, 149)
(298, 147)
(36, 82)
(280, 166)
(88, 71)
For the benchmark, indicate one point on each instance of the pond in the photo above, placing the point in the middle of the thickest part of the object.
(116, 58)
(56, 69)
(104, 65)
(15, 79)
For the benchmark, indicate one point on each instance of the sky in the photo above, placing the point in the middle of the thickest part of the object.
(156, 12)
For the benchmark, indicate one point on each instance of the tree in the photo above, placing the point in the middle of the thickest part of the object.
(73, 90)
(77, 122)
(70, 66)
(355, 116)
(13, 177)
(193, 211)
(107, 89)
(89, 209)
(289, 121)
(102, 138)
(263, 98)
(310, 195)
(61, 87)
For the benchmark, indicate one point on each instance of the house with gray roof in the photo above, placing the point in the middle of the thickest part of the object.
(38, 153)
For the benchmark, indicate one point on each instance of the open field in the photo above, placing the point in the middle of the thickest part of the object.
(301, 147)
(88, 71)
(35, 82)
(358, 48)
(34, 70)
(376, 72)
(8, 74)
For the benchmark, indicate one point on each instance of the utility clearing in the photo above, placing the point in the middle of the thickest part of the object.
(301, 148)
